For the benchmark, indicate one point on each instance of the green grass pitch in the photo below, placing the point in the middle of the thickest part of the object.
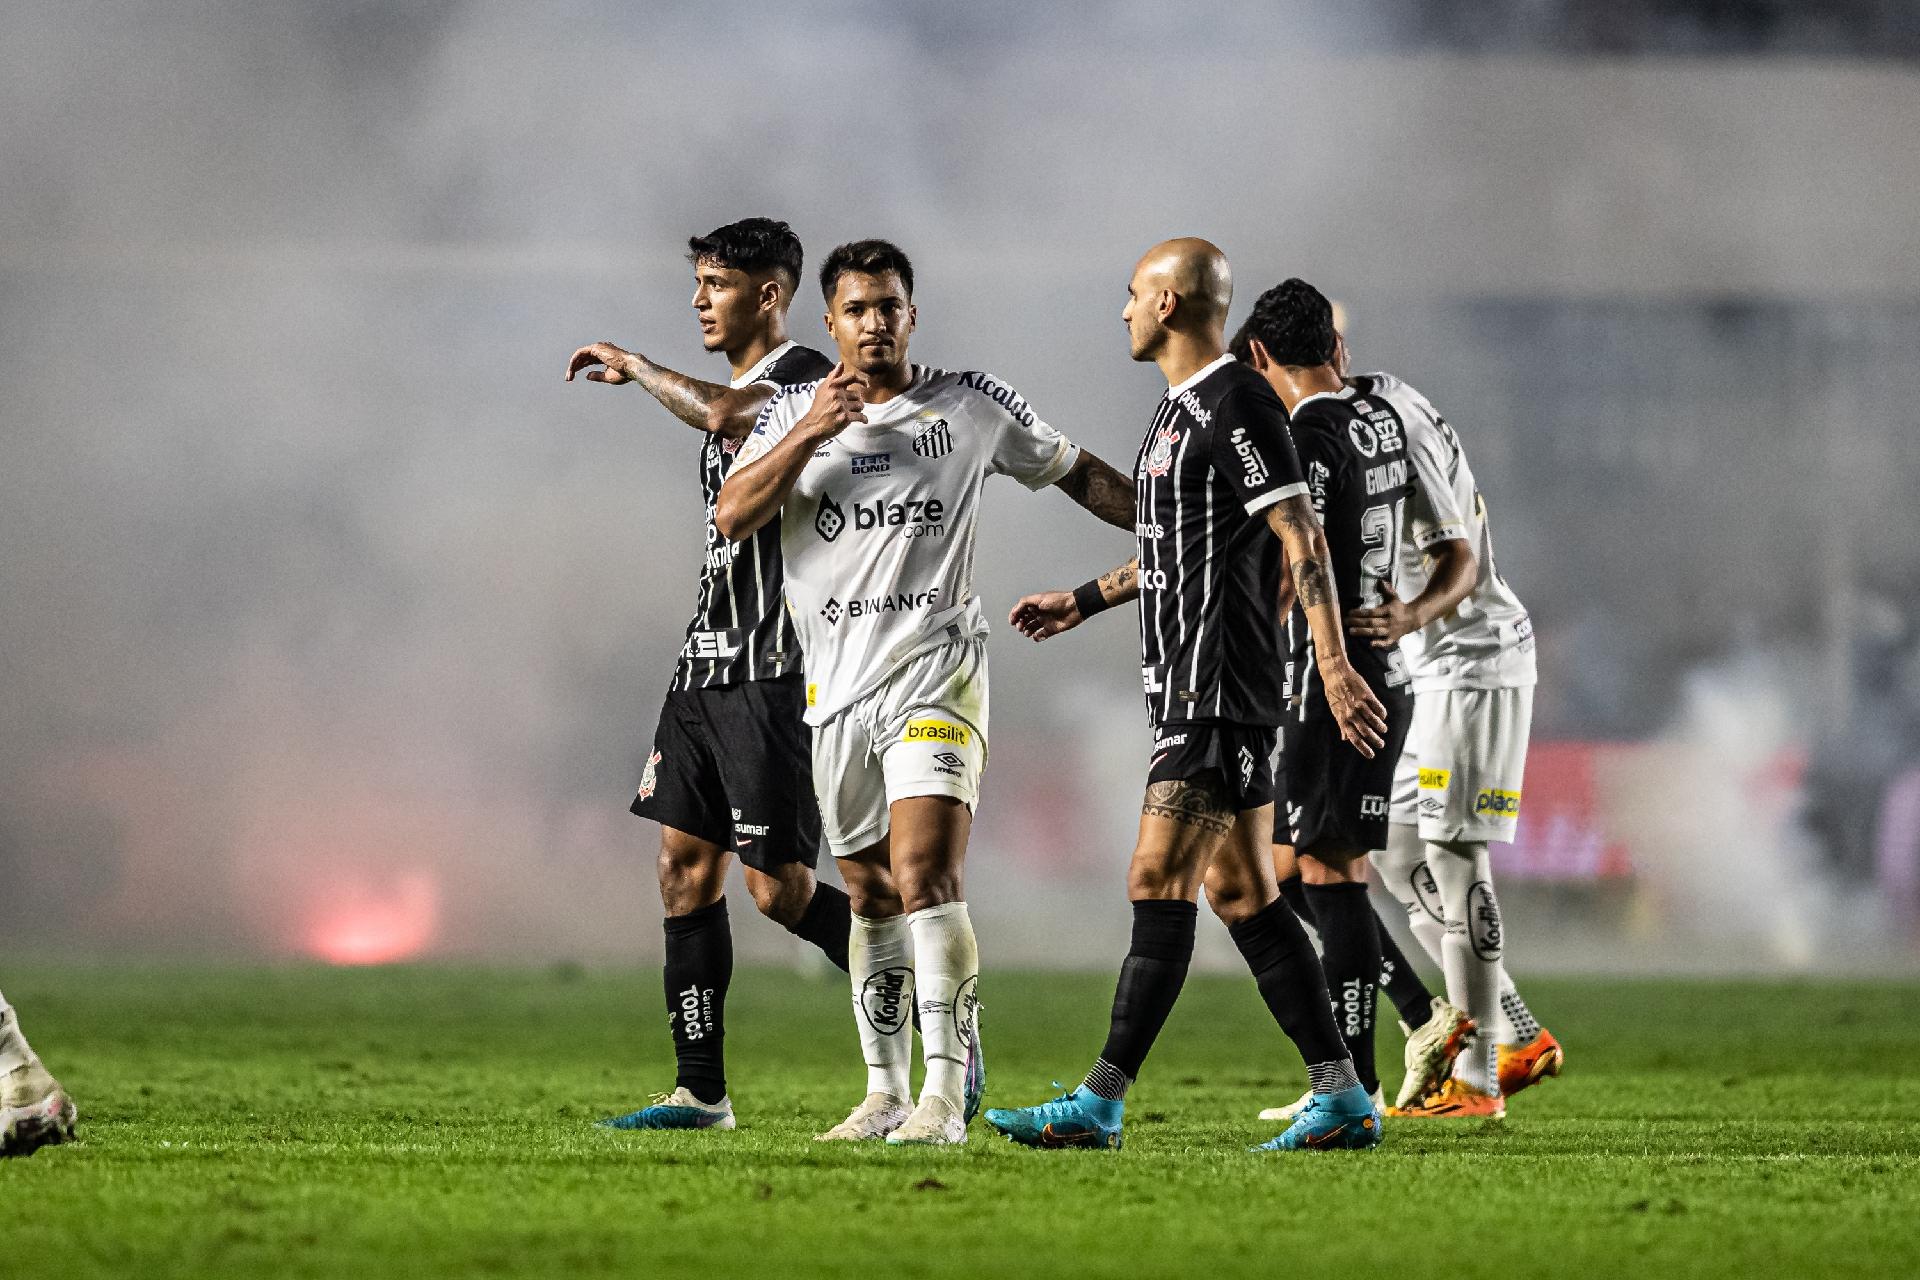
(423, 1122)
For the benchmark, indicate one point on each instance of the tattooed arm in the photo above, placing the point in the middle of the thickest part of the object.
(1048, 613)
(1358, 712)
(1100, 489)
(705, 406)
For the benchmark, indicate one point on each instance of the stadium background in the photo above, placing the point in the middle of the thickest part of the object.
(335, 624)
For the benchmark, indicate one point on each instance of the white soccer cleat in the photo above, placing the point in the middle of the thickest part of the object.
(35, 1111)
(1294, 1108)
(1431, 1051)
(934, 1123)
(878, 1115)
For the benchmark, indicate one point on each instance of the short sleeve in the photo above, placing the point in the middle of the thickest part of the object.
(1320, 462)
(1025, 447)
(1253, 450)
(797, 366)
(777, 416)
(1438, 512)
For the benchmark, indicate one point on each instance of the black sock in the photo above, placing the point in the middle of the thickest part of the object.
(699, 967)
(1150, 981)
(1288, 974)
(827, 922)
(1350, 955)
(1294, 893)
(1398, 978)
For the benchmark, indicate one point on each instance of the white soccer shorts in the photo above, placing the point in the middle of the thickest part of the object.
(922, 732)
(1459, 777)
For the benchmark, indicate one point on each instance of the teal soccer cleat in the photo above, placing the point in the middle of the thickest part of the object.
(676, 1110)
(1344, 1121)
(1076, 1118)
(976, 1075)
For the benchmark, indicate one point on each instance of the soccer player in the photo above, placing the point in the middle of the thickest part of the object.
(728, 773)
(35, 1111)
(1223, 505)
(875, 474)
(1468, 645)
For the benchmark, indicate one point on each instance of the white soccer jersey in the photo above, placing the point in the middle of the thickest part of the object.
(878, 533)
(1486, 642)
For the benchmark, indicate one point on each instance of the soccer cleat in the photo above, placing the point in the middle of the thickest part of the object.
(1455, 1100)
(1530, 1063)
(676, 1110)
(1431, 1051)
(1076, 1118)
(1301, 1103)
(878, 1115)
(35, 1111)
(934, 1123)
(1345, 1121)
(976, 1087)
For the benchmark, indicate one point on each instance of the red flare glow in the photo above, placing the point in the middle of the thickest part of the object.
(361, 926)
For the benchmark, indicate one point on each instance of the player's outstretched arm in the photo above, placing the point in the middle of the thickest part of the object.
(762, 477)
(1362, 720)
(1455, 570)
(1050, 612)
(1100, 489)
(688, 399)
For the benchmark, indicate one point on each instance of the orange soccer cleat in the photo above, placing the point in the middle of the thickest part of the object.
(1522, 1065)
(1455, 1101)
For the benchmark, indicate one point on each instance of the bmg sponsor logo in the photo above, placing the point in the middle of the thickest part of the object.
(1494, 803)
(884, 1001)
(1253, 466)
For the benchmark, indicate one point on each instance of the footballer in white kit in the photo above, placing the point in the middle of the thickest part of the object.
(1468, 645)
(875, 473)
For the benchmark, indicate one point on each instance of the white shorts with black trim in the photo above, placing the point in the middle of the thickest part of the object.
(1460, 774)
(922, 732)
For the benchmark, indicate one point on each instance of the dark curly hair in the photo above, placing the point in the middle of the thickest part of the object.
(867, 258)
(1294, 322)
(756, 246)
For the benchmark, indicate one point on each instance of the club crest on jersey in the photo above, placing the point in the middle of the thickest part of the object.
(650, 777)
(829, 520)
(1160, 456)
(935, 441)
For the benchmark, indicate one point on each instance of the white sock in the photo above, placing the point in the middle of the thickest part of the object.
(1403, 870)
(946, 975)
(1471, 950)
(880, 960)
(14, 1052)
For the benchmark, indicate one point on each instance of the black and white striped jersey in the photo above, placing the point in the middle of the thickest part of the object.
(1216, 456)
(740, 629)
(1353, 449)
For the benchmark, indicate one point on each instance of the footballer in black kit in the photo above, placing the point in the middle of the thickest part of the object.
(1211, 644)
(729, 771)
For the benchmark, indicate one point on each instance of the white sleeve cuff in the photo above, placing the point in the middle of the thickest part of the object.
(1069, 454)
(1274, 498)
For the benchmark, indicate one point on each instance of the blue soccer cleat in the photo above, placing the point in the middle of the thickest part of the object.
(1076, 1118)
(676, 1110)
(1344, 1121)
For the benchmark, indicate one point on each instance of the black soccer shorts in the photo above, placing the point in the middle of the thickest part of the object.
(734, 766)
(1239, 755)
(1334, 796)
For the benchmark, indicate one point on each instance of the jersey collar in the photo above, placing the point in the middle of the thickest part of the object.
(1344, 393)
(761, 366)
(1196, 379)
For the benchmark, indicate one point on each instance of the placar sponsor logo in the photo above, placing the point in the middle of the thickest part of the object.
(917, 518)
(830, 519)
(1253, 466)
(872, 464)
(937, 731)
(935, 440)
(883, 999)
(1373, 807)
(1496, 803)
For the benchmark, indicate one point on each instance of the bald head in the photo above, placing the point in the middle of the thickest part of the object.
(1194, 271)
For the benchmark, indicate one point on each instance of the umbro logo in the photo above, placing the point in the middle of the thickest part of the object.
(948, 759)
(830, 610)
(934, 442)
